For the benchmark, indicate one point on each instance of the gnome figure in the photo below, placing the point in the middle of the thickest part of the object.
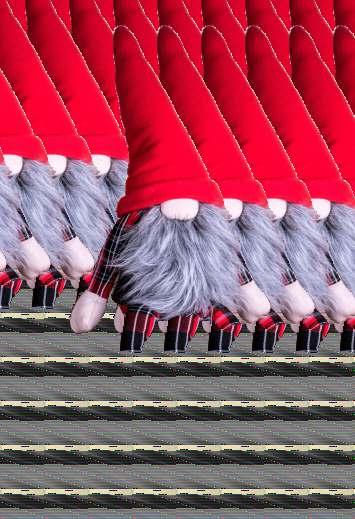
(333, 115)
(288, 197)
(68, 154)
(88, 108)
(165, 253)
(244, 198)
(21, 256)
(111, 163)
(308, 153)
(40, 202)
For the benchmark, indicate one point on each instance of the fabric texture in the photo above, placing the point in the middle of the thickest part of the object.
(325, 101)
(199, 112)
(307, 14)
(175, 14)
(163, 162)
(344, 52)
(288, 114)
(220, 15)
(36, 92)
(251, 127)
(76, 85)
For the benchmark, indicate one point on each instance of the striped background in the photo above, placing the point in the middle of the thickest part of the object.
(86, 433)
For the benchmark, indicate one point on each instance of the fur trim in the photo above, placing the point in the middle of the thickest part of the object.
(339, 230)
(10, 220)
(179, 267)
(114, 184)
(262, 248)
(42, 205)
(306, 250)
(86, 205)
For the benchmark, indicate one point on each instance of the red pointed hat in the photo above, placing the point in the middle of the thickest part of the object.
(76, 85)
(263, 14)
(63, 11)
(16, 134)
(164, 163)
(174, 13)
(307, 14)
(344, 11)
(248, 122)
(344, 52)
(150, 7)
(324, 100)
(220, 15)
(283, 10)
(298, 132)
(194, 8)
(195, 105)
(238, 9)
(326, 7)
(132, 15)
(18, 8)
(106, 9)
(36, 92)
(86, 21)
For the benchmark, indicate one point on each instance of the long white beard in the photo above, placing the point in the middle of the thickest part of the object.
(113, 185)
(86, 205)
(180, 267)
(262, 249)
(42, 204)
(10, 219)
(339, 230)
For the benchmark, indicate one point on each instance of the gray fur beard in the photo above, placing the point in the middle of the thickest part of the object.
(339, 231)
(10, 219)
(262, 249)
(114, 185)
(180, 267)
(42, 205)
(85, 204)
(307, 251)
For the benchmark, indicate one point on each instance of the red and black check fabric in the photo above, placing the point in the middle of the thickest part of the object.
(268, 330)
(104, 275)
(68, 231)
(288, 276)
(84, 284)
(313, 329)
(25, 232)
(138, 326)
(225, 328)
(10, 285)
(48, 288)
(180, 331)
(347, 340)
(333, 275)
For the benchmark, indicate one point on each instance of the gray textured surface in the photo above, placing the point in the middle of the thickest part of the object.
(147, 432)
(178, 514)
(101, 343)
(155, 432)
(179, 388)
(178, 476)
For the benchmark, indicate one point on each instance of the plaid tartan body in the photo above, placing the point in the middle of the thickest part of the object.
(313, 329)
(104, 275)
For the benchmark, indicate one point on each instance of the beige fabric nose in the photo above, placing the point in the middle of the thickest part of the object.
(180, 209)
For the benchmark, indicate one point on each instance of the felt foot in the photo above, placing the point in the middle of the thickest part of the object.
(47, 289)
(138, 326)
(87, 312)
(313, 329)
(10, 285)
(268, 331)
(180, 331)
(347, 340)
(225, 328)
